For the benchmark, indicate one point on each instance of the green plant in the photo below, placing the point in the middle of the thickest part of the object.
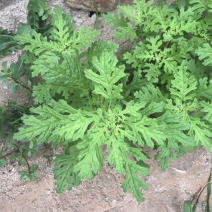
(174, 40)
(11, 112)
(158, 94)
(36, 19)
(14, 73)
(13, 150)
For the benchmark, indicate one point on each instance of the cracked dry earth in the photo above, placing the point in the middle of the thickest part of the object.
(167, 189)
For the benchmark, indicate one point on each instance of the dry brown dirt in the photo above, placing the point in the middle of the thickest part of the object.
(167, 189)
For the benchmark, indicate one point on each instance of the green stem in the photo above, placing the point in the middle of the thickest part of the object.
(28, 166)
(21, 84)
(9, 153)
(123, 43)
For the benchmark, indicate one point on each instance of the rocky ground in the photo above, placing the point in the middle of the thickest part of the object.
(167, 189)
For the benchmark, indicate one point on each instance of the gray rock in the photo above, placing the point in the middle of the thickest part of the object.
(102, 5)
(6, 3)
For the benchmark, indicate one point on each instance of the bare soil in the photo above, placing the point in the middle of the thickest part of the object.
(167, 189)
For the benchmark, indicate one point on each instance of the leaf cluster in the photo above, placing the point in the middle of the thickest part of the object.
(12, 150)
(37, 19)
(11, 112)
